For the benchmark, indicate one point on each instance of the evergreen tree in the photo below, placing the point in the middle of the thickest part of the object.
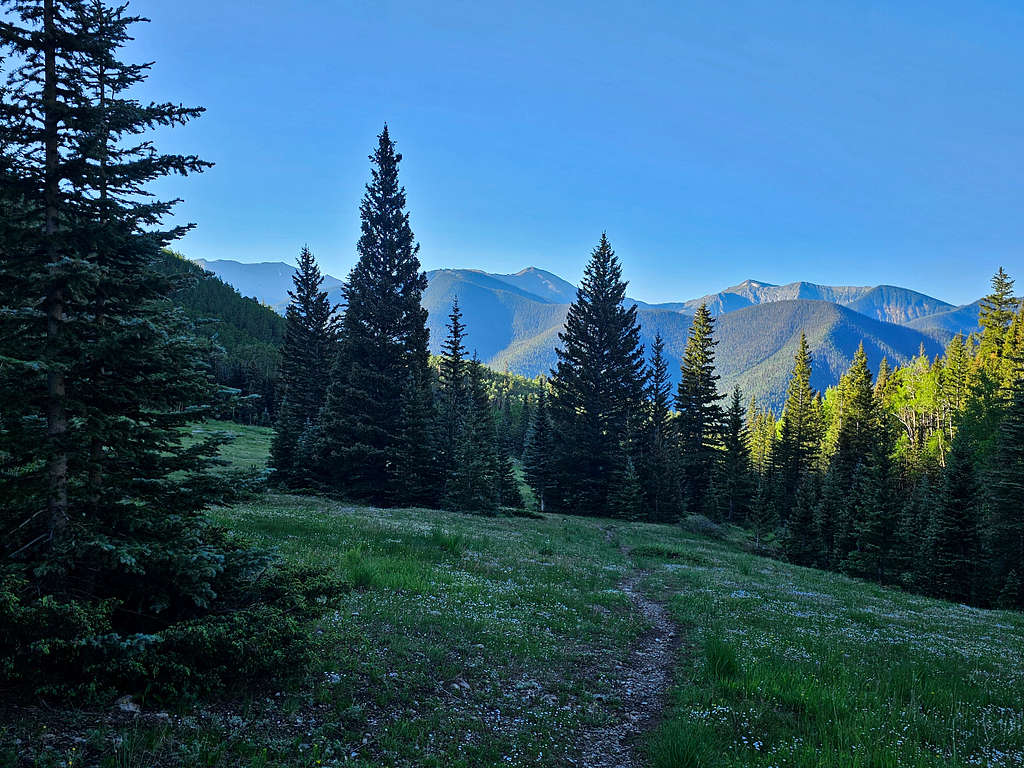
(508, 486)
(625, 498)
(699, 423)
(452, 390)
(657, 473)
(105, 534)
(597, 385)
(829, 513)
(858, 419)
(997, 310)
(799, 541)
(736, 484)
(874, 519)
(1004, 529)
(539, 454)
(953, 530)
(799, 441)
(474, 484)
(377, 415)
(760, 436)
(310, 334)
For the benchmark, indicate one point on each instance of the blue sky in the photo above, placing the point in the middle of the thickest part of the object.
(840, 142)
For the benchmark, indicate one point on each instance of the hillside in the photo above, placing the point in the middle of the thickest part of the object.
(268, 282)
(446, 639)
(514, 321)
(247, 333)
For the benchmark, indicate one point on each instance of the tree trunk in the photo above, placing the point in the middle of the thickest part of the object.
(56, 418)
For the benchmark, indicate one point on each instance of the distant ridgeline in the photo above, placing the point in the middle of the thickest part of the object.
(247, 338)
(514, 320)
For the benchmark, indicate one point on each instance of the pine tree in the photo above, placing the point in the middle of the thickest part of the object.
(452, 388)
(310, 335)
(1004, 529)
(874, 519)
(760, 436)
(597, 385)
(658, 468)
(103, 505)
(539, 454)
(858, 421)
(376, 418)
(997, 310)
(625, 499)
(829, 513)
(799, 541)
(508, 486)
(474, 484)
(736, 483)
(699, 423)
(799, 441)
(953, 530)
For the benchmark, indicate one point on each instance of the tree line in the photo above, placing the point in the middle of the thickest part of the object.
(906, 476)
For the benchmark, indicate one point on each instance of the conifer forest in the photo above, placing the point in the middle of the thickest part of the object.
(241, 536)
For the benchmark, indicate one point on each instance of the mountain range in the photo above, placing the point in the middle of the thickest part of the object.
(514, 320)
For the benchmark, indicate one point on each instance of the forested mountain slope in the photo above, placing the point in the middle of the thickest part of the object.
(248, 335)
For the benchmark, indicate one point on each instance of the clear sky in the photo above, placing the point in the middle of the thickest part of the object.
(837, 141)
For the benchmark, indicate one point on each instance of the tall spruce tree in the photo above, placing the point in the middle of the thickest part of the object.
(597, 385)
(1004, 527)
(306, 357)
(539, 453)
(475, 480)
(736, 480)
(800, 433)
(657, 471)
(103, 506)
(377, 414)
(953, 529)
(453, 400)
(699, 420)
(997, 310)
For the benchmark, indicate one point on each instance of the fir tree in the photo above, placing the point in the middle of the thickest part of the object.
(539, 454)
(474, 484)
(736, 484)
(508, 486)
(997, 310)
(799, 441)
(799, 541)
(858, 418)
(103, 505)
(374, 423)
(828, 515)
(452, 390)
(953, 530)
(597, 385)
(1004, 529)
(657, 472)
(625, 499)
(874, 519)
(310, 334)
(699, 422)
(760, 436)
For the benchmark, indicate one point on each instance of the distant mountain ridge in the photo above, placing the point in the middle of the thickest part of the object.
(514, 320)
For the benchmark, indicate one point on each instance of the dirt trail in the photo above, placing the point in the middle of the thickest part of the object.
(641, 685)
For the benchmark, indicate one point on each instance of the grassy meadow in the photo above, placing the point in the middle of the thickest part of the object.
(465, 641)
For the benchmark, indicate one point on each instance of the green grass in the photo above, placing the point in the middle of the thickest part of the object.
(249, 448)
(469, 641)
(789, 666)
